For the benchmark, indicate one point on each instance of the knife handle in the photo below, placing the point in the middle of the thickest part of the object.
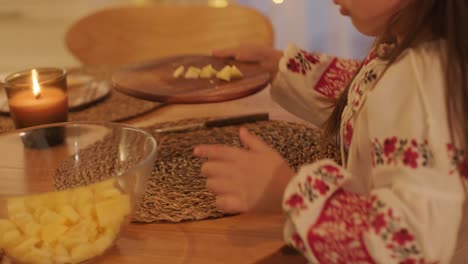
(231, 121)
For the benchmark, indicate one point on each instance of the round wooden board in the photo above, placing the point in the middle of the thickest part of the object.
(154, 81)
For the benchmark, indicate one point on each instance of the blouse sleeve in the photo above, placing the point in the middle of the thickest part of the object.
(413, 213)
(308, 84)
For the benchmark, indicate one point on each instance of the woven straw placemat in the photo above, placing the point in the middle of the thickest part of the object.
(116, 107)
(176, 191)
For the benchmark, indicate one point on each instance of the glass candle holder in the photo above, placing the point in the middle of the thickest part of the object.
(38, 97)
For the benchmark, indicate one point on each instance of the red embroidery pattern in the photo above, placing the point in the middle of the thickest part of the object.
(296, 201)
(394, 151)
(302, 62)
(348, 134)
(336, 77)
(356, 98)
(337, 236)
(293, 65)
(370, 57)
(398, 239)
(315, 186)
(356, 93)
(297, 242)
(459, 163)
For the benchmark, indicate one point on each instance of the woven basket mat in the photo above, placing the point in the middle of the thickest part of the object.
(116, 107)
(176, 191)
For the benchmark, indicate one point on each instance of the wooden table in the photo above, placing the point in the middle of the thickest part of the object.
(237, 239)
(246, 238)
(259, 102)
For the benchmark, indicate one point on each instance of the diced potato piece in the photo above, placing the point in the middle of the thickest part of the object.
(62, 259)
(6, 225)
(69, 213)
(224, 74)
(113, 229)
(236, 73)
(22, 218)
(15, 205)
(60, 250)
(106, 189)
(82, 197)
(34, 202)
(50, 201)
(207, 72)
(113, 211)
(179, 71)
(51, 217)
(107, 193)
(10, 239)
(63, 198)
(51, 232)
(81, 226)
(38, 212)
(60, 254)
(34, 255)
(85, 226)
(82, 252)
(86, 211)
(26, 223)
(103, 242)
(91, 229)
(104, 185)
(32, 229)
(70, 241)
(26, 246)
(192, 73)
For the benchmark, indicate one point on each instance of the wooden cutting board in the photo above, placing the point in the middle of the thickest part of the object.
(154, 81)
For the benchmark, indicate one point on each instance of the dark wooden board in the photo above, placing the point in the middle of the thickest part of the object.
(154, 81)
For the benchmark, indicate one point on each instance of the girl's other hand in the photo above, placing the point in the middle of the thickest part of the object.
(267, 57)
(252, 179)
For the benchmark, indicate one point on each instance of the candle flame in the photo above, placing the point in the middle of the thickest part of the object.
(35, 82)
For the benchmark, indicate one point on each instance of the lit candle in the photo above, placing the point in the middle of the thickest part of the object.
(39, 105)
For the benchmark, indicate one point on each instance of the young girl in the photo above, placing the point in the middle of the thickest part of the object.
(399, 196)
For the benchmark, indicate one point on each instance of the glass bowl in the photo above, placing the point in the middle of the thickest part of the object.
(68, 189)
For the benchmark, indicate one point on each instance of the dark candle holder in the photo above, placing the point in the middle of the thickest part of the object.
(43, 138)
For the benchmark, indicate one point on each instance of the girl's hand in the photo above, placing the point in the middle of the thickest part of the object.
(245, 180)
(267, 57)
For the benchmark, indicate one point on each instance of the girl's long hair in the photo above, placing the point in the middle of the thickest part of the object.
(424, 20)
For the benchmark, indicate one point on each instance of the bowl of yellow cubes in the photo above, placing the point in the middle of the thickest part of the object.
(68, 190)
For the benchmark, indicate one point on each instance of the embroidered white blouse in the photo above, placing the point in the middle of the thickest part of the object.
(400, 195)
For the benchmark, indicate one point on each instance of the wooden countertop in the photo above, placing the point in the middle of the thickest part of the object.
(237, 239)
(259, 102)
